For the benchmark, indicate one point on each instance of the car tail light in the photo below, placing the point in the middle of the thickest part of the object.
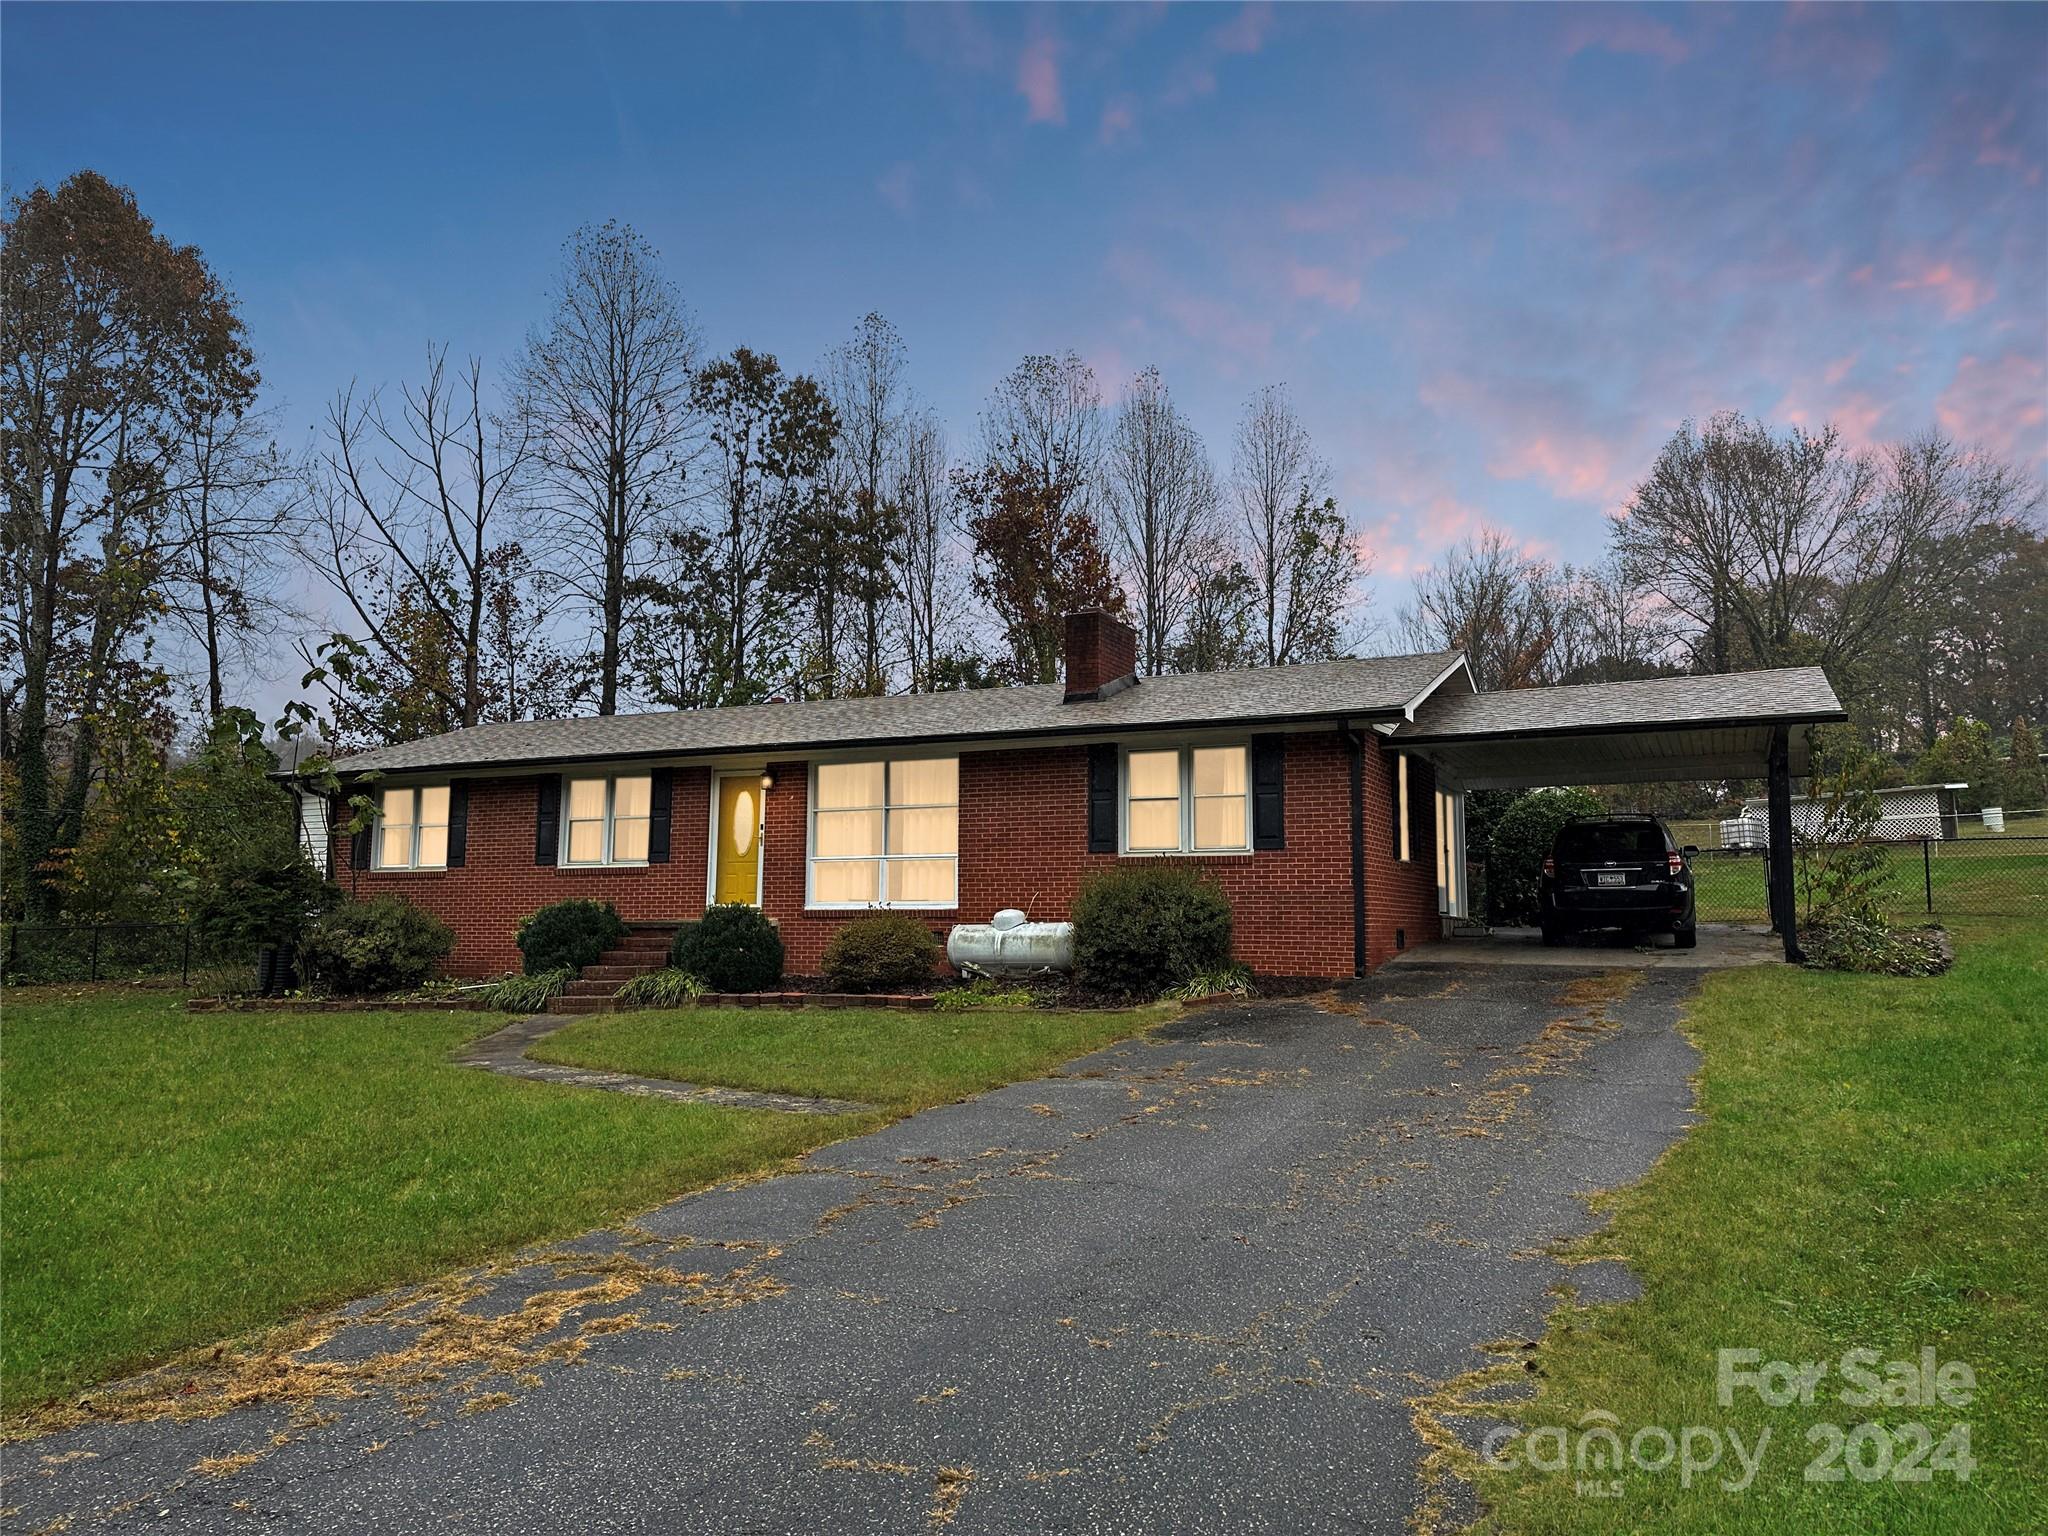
(1675, 862)
(1550, 867)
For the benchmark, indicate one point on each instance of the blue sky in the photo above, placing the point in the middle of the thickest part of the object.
(1497, 254)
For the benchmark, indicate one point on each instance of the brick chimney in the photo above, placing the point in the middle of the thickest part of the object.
(1102, 655)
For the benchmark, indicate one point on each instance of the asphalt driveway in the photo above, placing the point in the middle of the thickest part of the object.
(1193, 1282)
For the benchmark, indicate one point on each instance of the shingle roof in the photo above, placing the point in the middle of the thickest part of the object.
(1377, 686)
(1788, 694)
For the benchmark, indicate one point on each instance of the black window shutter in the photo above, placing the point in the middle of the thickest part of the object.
(547, 820)
(1269, 792)
(1421, 812)
(1102, 798)
(358, 843)
(660, 797)
(458, 824)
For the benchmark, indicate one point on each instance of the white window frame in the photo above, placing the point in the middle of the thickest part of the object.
(412, 841)
(1187, 849)
(611, 796)
(885, 858)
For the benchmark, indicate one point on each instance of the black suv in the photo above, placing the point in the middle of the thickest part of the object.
(1618, 872)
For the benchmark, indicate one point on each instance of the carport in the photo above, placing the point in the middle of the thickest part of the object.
(1743, 725)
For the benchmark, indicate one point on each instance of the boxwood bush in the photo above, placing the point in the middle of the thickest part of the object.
(1140, 929)
(889, 952)
(732, 948)
(384, 944)
(1522, 840)
(568, 935)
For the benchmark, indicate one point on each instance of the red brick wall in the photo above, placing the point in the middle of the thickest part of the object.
(1023, 840)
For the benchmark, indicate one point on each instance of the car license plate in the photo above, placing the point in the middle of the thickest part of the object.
(1610, 877)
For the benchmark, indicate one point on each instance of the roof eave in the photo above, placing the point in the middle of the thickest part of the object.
(1390, 712)
(1623, 727)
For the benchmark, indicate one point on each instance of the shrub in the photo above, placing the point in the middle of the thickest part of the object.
(1230, 981)
(1142, 928)
(1522, 840)
(1875, 948)
(889, 952)
(380, 945)
(568, 936)
(732, 948)
(670, 988)
(525, 994)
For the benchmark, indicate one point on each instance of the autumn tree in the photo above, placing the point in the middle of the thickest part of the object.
(1220, 631)
(605, 387)
(1038, 556)
(1160, 512)
(115, 340)
(1030, 509)
(1505, 609)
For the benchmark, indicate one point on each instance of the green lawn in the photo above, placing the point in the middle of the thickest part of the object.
(173, 1179)
(900, 1060)
(1872, 1172)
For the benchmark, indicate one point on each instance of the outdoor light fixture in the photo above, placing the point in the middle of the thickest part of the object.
(767, 781)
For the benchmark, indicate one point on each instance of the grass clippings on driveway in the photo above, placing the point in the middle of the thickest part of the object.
(1870, 1173)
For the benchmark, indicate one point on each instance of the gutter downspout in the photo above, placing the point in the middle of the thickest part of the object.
(1354, 741)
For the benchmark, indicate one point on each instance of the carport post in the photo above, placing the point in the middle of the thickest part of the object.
(1784, 894)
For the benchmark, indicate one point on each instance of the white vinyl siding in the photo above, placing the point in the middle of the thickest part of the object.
(412, 828)
(885, 834)
(1187, 800)
(605, 820)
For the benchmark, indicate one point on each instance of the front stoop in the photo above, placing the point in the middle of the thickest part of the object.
(596, 987)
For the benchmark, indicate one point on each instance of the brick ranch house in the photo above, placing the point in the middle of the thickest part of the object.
(1337, 841)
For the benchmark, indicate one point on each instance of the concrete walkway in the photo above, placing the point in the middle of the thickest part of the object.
(505, 1053)
(1210, 1280)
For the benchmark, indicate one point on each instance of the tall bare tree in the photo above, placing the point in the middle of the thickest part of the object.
(1506, 610)
(1275, 470)
(115, 339)
(414, 520)
(864, 379)
(605, 383)
(1044, 424)
(1160, 511)
(927, 559)
(232, 514)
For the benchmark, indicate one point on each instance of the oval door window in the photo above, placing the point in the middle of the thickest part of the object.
(743, 822)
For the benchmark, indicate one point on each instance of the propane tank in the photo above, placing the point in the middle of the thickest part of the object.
(1010, 944)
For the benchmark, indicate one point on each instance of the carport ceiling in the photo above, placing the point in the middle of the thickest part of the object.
(1623, 733)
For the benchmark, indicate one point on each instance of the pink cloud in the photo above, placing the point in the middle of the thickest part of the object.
(1330, 287)
(1958, 291)
(1118, 119)
(1618, 31)
(1838, 370)
(1038, 80)
(2000, 402)
(1573, 466)
(1245, 32)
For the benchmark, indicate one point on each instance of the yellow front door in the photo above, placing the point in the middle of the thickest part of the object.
(738, 855)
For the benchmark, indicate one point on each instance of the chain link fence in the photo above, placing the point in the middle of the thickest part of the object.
(42, 954)
(1927, 877)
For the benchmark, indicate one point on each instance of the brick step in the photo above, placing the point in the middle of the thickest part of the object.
(621, 972)
(590, 989)
(647, 959)
(563, 1003)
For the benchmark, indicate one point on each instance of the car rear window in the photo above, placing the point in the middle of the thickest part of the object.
(1597, 842)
